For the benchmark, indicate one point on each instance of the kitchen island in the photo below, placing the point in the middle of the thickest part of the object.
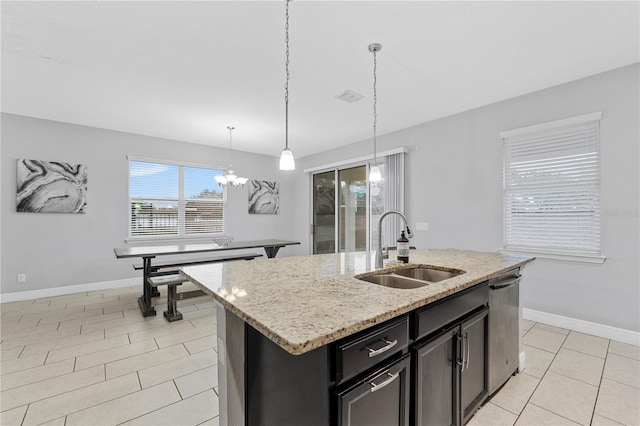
(301, 311)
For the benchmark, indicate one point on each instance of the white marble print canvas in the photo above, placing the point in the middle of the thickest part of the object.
(51, 187)
(264, 197)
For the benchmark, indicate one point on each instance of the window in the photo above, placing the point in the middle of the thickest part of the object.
(552, 188)
(172, 199)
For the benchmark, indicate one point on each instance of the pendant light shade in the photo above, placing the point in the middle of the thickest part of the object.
(374, 174)
(374, 171)
(287, 161)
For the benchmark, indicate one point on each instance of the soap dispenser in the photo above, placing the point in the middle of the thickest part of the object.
(403, 248)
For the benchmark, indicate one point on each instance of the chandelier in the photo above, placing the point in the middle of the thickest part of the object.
(229, 177)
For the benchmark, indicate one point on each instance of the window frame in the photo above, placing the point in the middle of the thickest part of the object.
(181, 201)
(553, 253)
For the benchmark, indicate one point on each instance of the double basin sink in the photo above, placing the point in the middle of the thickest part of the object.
(410, 277)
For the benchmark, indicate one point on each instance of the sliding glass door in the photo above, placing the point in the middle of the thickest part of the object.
(347, 207)
(340, 211)
(352, 215)
(324, 212)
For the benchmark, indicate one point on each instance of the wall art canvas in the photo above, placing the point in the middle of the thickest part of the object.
(51, 187)
(264, 197)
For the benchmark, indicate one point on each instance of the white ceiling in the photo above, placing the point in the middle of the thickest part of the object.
(187, 70)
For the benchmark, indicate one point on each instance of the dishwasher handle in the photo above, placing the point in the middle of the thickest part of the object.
(505, 284)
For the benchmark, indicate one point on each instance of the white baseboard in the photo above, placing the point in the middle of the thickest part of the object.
(69, 289)
(587, 327)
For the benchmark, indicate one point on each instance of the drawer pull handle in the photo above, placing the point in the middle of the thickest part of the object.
(376, 352)
(378, 386)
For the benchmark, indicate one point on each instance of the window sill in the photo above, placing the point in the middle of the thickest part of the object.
(542, 254)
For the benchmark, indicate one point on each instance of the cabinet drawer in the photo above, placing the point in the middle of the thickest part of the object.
(382, 398)
(357, 355)
(435, 317)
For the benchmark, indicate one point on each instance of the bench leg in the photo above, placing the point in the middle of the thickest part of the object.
(172, 314)
(271, 251)
(144, 301)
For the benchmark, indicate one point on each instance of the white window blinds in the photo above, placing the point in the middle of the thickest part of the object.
(172, 199)
(552, 187)
(388, 194)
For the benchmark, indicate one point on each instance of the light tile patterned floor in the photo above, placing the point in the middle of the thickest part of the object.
(571, 378)
(91, 359)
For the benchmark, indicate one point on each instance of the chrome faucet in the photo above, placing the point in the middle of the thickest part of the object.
(406, 225)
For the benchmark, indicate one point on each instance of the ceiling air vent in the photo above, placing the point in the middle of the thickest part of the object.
(349, 97)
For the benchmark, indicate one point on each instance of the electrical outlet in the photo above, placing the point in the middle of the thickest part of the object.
(422, 226)
(22, 278)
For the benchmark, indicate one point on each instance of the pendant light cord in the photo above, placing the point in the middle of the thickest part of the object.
(375, 111)
(286, 84)
(230, 141)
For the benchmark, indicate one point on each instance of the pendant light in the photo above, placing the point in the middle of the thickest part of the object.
(287, 161)
(229, 177)
(374, 172)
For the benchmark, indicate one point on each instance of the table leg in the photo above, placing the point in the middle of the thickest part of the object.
(271, 251)
(144, 301)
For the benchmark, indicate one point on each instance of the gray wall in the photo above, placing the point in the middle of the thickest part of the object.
(454, 182)
(56, 250)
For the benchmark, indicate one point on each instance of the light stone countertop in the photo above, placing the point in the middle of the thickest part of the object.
(304, 302)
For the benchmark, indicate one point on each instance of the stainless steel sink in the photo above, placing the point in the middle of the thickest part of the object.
(428, 274)
(395, 281)
(410, 277)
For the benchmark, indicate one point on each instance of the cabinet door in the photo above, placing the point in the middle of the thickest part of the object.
(381, 399)
(474, 369)
(436, 380)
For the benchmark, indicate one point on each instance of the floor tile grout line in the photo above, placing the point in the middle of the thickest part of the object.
(57, 394)
(552, 412)
(177, 389)
(24, 415)
(623, 356)
(541, 378)
(577, 380)
(535, 347)
(595, 404)
(583, 353)
(90, 406)
(548, 370)
(620, 383)
(549, 329)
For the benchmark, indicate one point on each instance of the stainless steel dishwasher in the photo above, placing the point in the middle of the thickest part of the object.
(504, 328)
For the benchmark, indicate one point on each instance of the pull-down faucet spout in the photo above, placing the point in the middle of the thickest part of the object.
(379, 250)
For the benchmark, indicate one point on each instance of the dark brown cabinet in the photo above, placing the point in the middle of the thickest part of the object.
(382, 398)
(425, 367)
(450, 354)
(474, 369)
(451, 373)
(436, 380)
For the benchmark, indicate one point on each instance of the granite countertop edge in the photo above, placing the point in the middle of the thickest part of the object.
(351, 327)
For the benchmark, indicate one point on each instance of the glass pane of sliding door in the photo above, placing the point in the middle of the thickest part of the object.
(353, 209)
(324, 212)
